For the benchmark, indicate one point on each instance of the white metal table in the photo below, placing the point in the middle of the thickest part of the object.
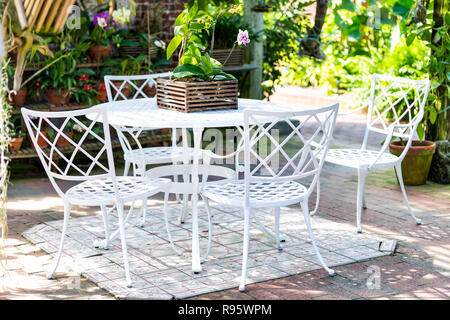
(144, 113)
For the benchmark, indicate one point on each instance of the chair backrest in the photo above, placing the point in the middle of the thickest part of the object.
(118, 87)
(299, 154)
(399, 99)
(79, 161)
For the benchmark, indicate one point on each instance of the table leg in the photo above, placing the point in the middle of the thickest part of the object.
(196, 267)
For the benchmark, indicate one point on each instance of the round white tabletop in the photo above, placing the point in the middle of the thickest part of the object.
(145, 113)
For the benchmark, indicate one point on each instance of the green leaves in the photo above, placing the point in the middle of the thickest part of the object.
(410, 39)
(402, 7)
(191, 32)
(188, 71)
(173, 45)
(420, 131)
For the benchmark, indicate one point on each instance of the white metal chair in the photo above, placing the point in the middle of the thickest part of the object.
(277, 186)
(115, 86)
(98, 184)
(141, 157)
(404, 100)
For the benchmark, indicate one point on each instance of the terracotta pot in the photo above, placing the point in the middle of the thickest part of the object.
(15, 144)
(54, 98)
(150, 91)
(19, 98)
(98, 52)
(417, 162)
(40, 141)
(63, 142)
(101, 96)
(125, 90)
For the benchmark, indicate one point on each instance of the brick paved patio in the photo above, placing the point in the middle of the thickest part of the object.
(420, 268)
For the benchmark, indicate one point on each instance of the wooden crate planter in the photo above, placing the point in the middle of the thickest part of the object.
(197, 96)
(236, 59)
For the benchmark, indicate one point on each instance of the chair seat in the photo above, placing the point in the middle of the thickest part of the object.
(101, 192)
(157, 155)
(261, 193)
(356, 158)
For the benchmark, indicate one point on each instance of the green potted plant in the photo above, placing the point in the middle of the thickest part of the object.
(16, 135)
(100, 36)
(198, 78)
(223, 39)
(61, 80)
(417, 162)
(19, 97)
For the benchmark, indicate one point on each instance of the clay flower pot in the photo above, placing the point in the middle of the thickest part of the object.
(125, 90)
(15, 144)
(57, 99)
(417, 162)
(63, 142)
(150, 91)
(18, 98)
(101, 96)
(40, 141)
(98, 52)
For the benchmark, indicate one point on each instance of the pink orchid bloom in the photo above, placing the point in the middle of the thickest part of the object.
(243, 38)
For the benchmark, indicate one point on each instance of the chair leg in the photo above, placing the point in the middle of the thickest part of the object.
(359, 199)
(126, 168)
(306, 214)
(317, 198)
(364, 206)
(277, 228)
(123, 240)
(144, 212)
(247, 213)
(398, 169)
(210, 229)
(67, 207)
(106, 224)
(183, 214)
(166, 219)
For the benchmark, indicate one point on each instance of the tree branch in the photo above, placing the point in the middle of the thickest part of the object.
(420, 12)
(311, 45)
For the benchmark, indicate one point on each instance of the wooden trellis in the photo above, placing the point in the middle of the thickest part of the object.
(43, 15)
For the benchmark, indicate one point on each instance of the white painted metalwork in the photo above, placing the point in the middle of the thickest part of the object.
(97, 181)
(404, 100)
(264, 186)
(135, 113)
(141, 157)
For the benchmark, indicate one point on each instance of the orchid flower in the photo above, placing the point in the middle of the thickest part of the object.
(243, 38)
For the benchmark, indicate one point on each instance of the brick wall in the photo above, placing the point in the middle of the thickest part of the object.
(162, 15)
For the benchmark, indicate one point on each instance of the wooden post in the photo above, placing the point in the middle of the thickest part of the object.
(256, 49)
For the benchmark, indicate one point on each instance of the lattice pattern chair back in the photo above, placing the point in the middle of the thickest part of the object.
(402, 101)
(131, 87)
(297, 155)
(97, 164)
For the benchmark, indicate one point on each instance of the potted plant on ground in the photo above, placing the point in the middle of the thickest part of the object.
(417, 162)
(198, 78)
